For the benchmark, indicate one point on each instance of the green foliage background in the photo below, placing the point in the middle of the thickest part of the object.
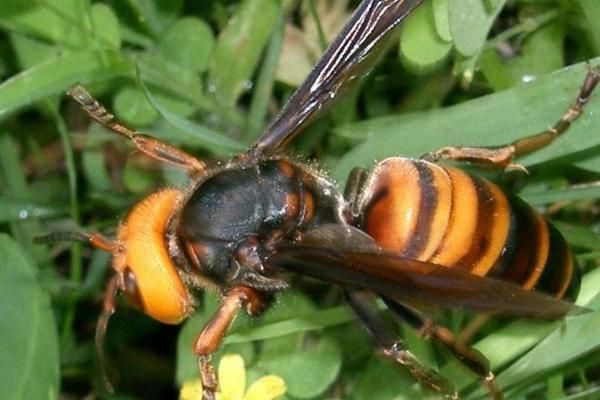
(204, 75)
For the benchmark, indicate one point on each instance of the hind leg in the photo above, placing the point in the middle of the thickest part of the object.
(502, 156)
(458, 345)
(392, 347)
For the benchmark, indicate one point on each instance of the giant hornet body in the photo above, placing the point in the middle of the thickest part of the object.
(409, 231)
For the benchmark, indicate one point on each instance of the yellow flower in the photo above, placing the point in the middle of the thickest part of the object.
(232, 383)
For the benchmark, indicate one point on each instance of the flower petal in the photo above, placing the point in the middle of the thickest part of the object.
(191, 390)
(232, 377)
(266, 388)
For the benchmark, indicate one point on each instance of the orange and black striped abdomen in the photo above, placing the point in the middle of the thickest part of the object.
(443, 215)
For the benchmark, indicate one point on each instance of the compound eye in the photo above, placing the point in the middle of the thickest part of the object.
(131, 290)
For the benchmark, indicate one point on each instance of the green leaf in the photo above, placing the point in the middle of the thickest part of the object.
(541, 53)
(420, 43)
(204, 136)
(532, 108)
(30, 52)
(57, 21)
(13, 186)
(572, 193)
(579, 236)
(314, 320)
(64, 22)
(259, 105)
(383, 379)
(283, 354)
(441, 15)
(590, 162)
(515, 339)
(470, 22)
(308, 364)
(57, 74)
(179, 84)
(591, 11)
(156, 15)
(16, 210)
(188, 43)
(575, 338)
(94, 169)
(555, 385)
(106, 26)
(131, 105)
(239, 48)
(28, 340)
(308, 368)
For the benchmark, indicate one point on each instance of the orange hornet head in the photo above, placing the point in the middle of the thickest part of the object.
(145, 269)
(143, 264)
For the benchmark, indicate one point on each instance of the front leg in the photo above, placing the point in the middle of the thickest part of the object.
(211, 337)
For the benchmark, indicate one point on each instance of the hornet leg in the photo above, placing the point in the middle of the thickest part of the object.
(502, 156)
(153, 147)
(392, 347)
(211, 337)
(471, 358)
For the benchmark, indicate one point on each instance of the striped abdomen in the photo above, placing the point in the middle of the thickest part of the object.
(445, 216)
